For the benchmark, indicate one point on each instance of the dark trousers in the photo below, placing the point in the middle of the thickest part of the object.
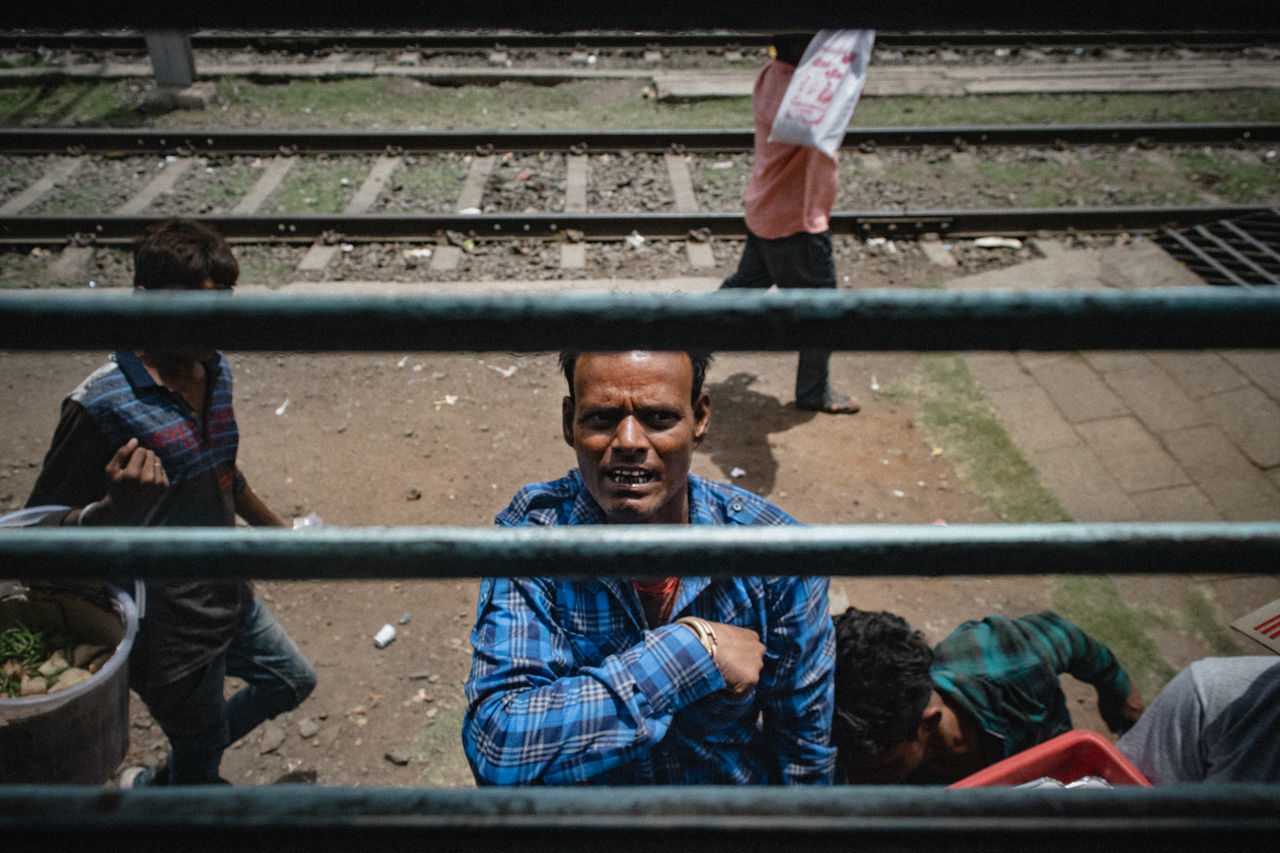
(801, 260)
(200, 723)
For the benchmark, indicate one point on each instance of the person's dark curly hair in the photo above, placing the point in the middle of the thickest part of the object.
(183, 254)
(699, 359)
(882, 683)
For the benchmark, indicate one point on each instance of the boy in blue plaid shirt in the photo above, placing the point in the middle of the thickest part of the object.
(656, 680)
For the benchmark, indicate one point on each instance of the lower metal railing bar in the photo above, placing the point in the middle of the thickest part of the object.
(290, 817)
(629, 551)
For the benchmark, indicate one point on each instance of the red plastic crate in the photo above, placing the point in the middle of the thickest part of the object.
(1066, 758)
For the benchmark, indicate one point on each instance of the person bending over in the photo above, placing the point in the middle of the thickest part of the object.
(905, 712)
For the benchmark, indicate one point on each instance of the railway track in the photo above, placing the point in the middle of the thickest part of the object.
(718, 42)
(677, 66)
(523, 192)
(563, 209)
(144, 140)
(350, 228)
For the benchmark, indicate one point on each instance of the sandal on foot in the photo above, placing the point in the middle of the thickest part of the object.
(833, 404)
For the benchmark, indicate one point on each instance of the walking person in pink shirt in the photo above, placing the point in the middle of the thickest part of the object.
(788, 207)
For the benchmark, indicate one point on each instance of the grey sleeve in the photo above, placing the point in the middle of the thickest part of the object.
(1242, 720)
(1165, 744)
(1218, 720)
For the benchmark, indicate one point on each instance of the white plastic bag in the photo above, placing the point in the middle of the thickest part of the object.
(824, 90)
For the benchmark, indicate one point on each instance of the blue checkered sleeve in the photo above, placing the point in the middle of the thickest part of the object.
(534, 715)
(797, 692)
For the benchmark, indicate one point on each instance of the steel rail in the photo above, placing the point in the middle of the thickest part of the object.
(108, 229)
(621, 551)
(1101, 16)
(439, 40)
(1176, 818)
(866, 320)
(148, 140)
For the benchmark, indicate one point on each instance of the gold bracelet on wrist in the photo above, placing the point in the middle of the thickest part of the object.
(703, 631)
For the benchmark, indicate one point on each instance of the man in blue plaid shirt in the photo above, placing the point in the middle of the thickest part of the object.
(652, 680)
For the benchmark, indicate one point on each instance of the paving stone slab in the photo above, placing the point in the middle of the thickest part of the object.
(1054, 273)
(1201, 374)
(1236, 487)
(1142, 264)
(1131, 455)
(1032, 419)
(1031, 359)
(1083, 486)
(1111, 361)
(998, 371)
(1251, 419)
(1261, 366)
(1078, 390)
(1155, 399)
(1181, 503)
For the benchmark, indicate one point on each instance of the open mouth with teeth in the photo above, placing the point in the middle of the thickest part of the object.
(630, 476)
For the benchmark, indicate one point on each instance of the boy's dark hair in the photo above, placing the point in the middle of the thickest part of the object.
(700, 361)
(882, 683)
(790, 47)
(184, 254)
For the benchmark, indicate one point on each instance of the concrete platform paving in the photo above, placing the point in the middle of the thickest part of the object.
(1137, 436)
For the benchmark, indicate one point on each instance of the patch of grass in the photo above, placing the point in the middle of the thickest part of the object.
(93, 195)
(264, 265)
(1230, 178)
(234, 182)
(1032, 182)
(1205, 620)
(1094, 603)
(927, 110)
(958, 418)
(319, 184)
(1142, 181)
(381, 103)
(433, 176)
(21, 270)
(74, 103)
(395, 102)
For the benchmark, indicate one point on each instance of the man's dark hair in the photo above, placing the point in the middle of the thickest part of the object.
(882, 683)
(790, 47)
(183, 253)
(700, 361)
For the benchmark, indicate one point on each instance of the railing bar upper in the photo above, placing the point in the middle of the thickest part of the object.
(1155, 318)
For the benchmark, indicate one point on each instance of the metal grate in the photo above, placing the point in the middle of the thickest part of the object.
(1243, 252)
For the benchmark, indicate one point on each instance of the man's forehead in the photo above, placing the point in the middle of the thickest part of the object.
(653, 374)
(671, 367)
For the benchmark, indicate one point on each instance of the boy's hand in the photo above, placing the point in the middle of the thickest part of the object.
(136, 481)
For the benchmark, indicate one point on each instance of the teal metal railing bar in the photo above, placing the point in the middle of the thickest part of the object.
(916, 320)
(310, 818)
(463, 552)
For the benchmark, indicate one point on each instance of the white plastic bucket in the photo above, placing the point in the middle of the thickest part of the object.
(77, 736)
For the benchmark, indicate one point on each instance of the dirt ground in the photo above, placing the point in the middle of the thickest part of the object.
(373, 439)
